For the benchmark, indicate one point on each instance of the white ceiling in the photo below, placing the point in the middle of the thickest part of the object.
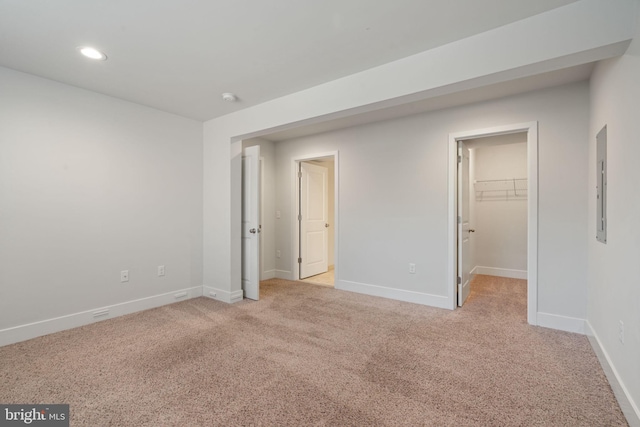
(179, 56)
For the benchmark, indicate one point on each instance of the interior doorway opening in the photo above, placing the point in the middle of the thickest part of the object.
(476, 195)
(315, 217)
(495, 224)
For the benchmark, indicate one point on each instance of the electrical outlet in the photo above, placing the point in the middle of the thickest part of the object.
(277, 214)
(412, 268)
(621, 333)
(278, 253)
(124, 276)
(161, 270)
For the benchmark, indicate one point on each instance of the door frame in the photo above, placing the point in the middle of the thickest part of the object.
(295, 233)
(306, 224)
(464, 286)
(531, 128)
(255, 197)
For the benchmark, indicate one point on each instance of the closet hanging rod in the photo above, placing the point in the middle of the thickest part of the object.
(501, 180)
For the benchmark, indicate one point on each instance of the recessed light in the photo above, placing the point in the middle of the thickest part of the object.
(229, 97)
(93, 53)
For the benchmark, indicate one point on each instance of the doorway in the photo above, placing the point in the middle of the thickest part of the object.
(462, 191)
(315, 219)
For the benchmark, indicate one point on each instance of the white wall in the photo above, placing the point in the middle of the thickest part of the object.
(614, 289)
(393, 196)
(268, 211)
(89, 186)
(549, 41)
(500, 219)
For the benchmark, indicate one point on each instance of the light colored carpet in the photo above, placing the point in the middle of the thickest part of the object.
(311, 355)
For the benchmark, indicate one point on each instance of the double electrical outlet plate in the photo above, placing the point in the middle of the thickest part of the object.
(124, 274)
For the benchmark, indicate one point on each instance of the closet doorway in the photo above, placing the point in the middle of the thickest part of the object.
(493, 207)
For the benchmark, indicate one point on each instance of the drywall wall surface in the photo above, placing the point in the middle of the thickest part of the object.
(549, 41)
(614, 290)
(268, 210)
(500, 238)
(89, 186)
(393, 194)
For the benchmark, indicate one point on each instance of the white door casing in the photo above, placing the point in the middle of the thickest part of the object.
(464, 231)
(314, 214)
(531, 128)
(251, 226)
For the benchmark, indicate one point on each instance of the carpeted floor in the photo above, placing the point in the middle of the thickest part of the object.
(312, 355)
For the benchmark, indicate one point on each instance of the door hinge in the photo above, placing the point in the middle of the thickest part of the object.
(299, 260)
(299, 174)
(459, 219)
(299, 217)
(459, 159)
(459, 280)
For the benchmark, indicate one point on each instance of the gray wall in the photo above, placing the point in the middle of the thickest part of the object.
(393, 195)
(500, 219)
(89, 186)
(614, 290)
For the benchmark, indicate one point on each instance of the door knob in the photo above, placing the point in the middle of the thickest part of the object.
(252, 231)
(471, 230)
(326, 225)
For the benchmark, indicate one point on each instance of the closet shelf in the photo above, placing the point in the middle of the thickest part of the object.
(501, 189)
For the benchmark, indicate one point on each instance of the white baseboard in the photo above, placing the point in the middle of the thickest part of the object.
(284, 274)
(268, 274)
(500, 272)
(49, 326)
(391, 293)
(220, 295)
(561, 323)
(628, 406)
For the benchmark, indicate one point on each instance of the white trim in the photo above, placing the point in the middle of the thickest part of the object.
(237, 296)
(295, 239)
(532, 209)
(532, 223)
(561, 323)
(392, 293)
(220, 295)
(269, 274)
(62, 323)
(628, 406)
(500, 272)
(262, 274)
(284, 274)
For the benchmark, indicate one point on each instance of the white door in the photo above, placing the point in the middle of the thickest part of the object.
(251, 222)
(314, 214)
(464, 261)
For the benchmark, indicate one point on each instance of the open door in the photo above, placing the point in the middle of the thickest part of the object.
(251, 226)
(314, 214)
(464, 261)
